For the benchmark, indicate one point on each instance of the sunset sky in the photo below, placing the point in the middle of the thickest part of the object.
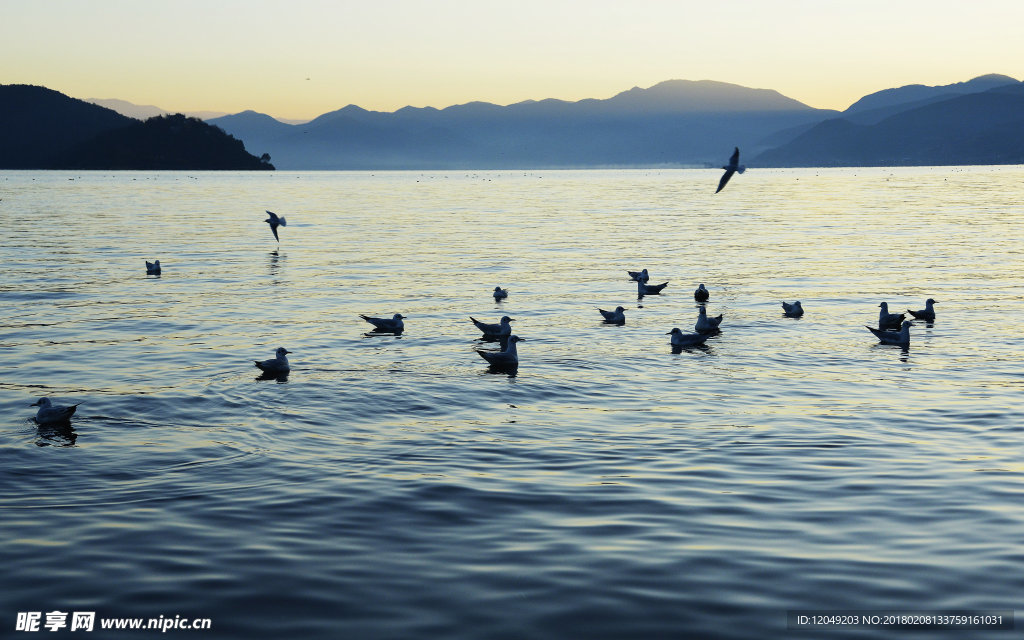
(301, 58)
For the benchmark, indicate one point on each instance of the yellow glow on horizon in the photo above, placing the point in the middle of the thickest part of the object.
(302, 58)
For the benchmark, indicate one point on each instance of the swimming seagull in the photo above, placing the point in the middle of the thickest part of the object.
(50, 413)
(639, 276)
(393, 324)
(734, 166)
(642, 288)
(275, 221)
(888, 320)
(680, 339)
(614, 317)
(152, 268)
(505, 358)
(278, 364)
(500, 294)
(792, 310)
(901, 337)
(701, 294)
(706, 324)
(503, 328)
(928, 313)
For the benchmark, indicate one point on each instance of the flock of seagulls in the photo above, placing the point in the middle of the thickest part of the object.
(892, 327)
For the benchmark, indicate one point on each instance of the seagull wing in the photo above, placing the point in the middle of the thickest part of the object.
(725, 178)
(735, 159)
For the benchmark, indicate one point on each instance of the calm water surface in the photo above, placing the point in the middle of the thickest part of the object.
(396, 488)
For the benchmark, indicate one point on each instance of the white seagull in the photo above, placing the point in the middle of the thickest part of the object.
(393, 324)
(275, 221)
(278, 364)
(734, 166)
(503, 328)
(614, 317)
(792, 310)
(506, 358)
(901, 337)
(706, 324)
(152, 268)
(680, 339)
(642, 288)
(928, 313)
(50, 413)
(639, 276)
(500, 294)
(888, 320)
(701, 294)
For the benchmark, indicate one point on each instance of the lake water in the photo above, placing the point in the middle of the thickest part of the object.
(394, 487)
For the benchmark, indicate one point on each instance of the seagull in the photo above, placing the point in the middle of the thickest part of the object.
(701, 294)
(792, 310)
(639, 276)
(152, 268)
(706, 324)
(393, 324)
(928, 313)
(888, 320)
(680, 339)
(901, 337)
(275, 221)
(500, 294)
(49, 413)
(506, 358)
(642, 288)
(503, 328)
(277, 364)
(614, 317)
(734, 166)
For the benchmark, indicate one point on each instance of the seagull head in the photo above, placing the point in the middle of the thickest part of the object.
(281, 352)
(506, 319)
(673, 332)
(41, 402)
(398, 316)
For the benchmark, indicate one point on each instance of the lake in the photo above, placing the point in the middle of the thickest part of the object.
(395, 487)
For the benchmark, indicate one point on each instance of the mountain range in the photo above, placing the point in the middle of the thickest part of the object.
(673, 123)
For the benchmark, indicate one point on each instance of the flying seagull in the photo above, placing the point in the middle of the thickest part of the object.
(276, 365)
(928, 313)
(734, 166)
(50, 413)
(275, 221)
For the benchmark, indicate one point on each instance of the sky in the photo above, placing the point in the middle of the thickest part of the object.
(297, 59)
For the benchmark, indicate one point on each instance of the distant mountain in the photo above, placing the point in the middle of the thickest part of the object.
(677, 122)
(142, 112)
(916, 93)
(44, 129)
(977, 128)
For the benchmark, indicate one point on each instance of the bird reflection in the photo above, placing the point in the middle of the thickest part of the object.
(56, 434)
(279, 376)
(274, 263)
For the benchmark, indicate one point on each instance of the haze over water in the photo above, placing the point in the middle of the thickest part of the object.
(394, 488)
